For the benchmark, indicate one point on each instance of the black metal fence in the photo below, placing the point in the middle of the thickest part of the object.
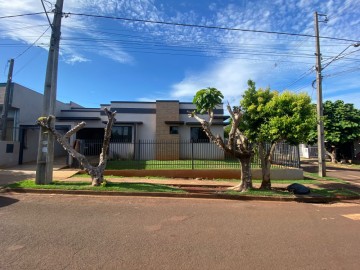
(150, 154)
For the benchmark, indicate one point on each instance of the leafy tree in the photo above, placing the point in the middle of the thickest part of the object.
(341, 125)
(237, 144)
(270, 117)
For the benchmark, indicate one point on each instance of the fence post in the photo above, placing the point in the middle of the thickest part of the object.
(192, 154)
(138, 158)
(298, 156)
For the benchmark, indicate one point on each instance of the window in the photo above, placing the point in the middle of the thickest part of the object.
(121, 134)
(174, 130)
(9, 148)
(198, 135)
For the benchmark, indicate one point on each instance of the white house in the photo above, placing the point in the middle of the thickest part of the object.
(163, 126)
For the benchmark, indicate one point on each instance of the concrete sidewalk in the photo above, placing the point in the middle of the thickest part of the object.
(28, 170)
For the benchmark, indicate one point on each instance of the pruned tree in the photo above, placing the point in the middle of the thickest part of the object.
(237, 144)
(96, 172)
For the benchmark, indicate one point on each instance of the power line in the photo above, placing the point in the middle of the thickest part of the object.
(203, 26)
(21, 15)
(28, 48)
(28, 62)
(302, 76)
(342, 72)
(46, 13)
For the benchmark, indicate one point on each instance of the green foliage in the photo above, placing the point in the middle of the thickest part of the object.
(207, 99)
(110, 186)
(253, 105)
(341, 122)
(270, 116)
(292, 118)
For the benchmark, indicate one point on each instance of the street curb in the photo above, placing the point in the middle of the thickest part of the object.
(299, 198)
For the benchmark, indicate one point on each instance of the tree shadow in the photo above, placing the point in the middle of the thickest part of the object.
(6, 201)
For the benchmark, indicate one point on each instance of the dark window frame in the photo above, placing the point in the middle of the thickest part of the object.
(122, 134)
(198, 135)
(174, 130)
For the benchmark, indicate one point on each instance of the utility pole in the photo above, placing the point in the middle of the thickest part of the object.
(45, 157)
(319, 107)
(5, 109)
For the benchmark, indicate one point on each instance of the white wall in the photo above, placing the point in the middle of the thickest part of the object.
(9, 159)
(30, 104)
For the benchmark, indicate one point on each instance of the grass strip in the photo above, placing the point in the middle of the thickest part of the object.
(334, 192)
(258, 192)
(120, 187)
(257, 181)
(174, 164)
(326, 178)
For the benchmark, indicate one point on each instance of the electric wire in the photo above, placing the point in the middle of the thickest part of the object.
(29, 47)
(28, 62)
(46, 13)
(341, 72)
(21, 15)
(203, 26)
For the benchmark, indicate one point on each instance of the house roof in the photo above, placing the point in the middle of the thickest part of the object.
(126, 122)
(174, 122)
(77, 118)
(198, 124)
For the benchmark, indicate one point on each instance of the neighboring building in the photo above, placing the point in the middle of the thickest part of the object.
(136, 122)
(25, 107)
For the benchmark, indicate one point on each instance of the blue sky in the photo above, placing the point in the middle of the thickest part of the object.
(105, 60)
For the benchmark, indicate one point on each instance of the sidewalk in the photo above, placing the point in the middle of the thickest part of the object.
(28, 170)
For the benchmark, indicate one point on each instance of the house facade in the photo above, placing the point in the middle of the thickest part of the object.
(164, 123)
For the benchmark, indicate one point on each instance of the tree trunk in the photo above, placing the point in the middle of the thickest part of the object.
(265, 159)
(96, 177)
(246, 179)
(333, 155)
(265, 169)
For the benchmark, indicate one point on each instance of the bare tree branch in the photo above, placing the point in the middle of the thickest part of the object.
(74, 130)
(95, 172)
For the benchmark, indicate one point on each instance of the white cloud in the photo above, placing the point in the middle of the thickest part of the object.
(231, 76)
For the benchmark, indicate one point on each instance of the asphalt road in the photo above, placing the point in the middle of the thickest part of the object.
(84, 232)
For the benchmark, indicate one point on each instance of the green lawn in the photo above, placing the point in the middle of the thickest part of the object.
(121, 187)
(258, 192)
(176, 164)
(326, 178)
(145, 187)
(334, 192)
(257, 181)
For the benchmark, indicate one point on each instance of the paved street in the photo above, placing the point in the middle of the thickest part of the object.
(84, 232)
